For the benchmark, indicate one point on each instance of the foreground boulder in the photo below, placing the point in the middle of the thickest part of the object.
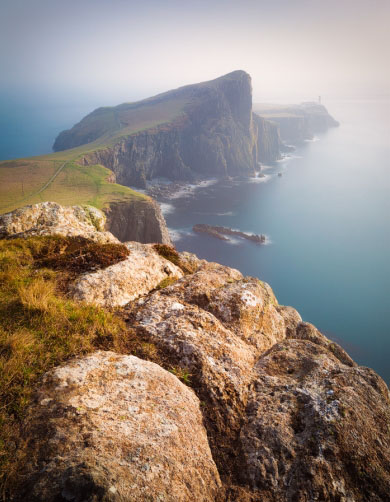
(316, 429)
(50, 218)
(137, 275)
(114, 428)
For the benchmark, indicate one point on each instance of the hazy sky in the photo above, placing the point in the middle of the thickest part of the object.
(132, 49)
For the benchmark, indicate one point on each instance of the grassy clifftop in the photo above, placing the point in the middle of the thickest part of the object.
(49, 178)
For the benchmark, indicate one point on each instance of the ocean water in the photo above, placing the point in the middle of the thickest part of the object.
(328, 223)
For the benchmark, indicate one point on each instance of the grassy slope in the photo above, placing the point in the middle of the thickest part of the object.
(21, 180)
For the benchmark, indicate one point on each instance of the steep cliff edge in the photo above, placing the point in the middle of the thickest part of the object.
(140, 221)
(297, 122)
(199, 130)
(272, 410)
(137, 220)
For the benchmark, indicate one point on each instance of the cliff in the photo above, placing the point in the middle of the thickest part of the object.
(297, 122)
(139, 220)
(188, 381)
(199, 130)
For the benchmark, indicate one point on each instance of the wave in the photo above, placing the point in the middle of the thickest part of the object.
(312, 140)
(166, 208)
(188, 190)
(260, 179)
(227, 213)
(177, 234)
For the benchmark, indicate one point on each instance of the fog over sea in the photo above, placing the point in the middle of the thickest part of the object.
(326, 217)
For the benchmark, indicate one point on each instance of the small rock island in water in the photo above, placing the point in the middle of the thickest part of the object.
(221, 232)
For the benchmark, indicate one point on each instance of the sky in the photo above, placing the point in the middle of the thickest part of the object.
(123, 50)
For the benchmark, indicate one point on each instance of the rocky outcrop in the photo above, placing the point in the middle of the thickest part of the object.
(316, 429)
(214, 135)
(297, 123)
(114, 428)
(289, 415)
(50, 218)
(138, 220)
(117, 285)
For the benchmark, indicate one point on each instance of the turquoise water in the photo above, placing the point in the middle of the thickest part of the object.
(328, 221)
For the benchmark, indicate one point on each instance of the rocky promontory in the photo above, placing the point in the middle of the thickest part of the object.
(296, 123)
(199, 130)
(210, 390)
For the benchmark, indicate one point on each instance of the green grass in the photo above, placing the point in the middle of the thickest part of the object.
(21, 180)
(39, 326)
(109, 125)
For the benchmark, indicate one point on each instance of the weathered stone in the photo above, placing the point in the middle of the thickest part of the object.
(291, 319)
(246, 306)
(118, 284)
(214, 324)
(306, 331)
(107, 427)
(50, 218)
(217, 360)
(316, 429)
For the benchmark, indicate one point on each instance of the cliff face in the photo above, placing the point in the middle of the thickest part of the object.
(139, 221)
(297, 122)
(269, 143)
(214, 134)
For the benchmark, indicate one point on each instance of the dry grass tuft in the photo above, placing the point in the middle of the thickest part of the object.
(170, 253)
(38, 295)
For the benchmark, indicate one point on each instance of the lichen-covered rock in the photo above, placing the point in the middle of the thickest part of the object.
(246, 306)
(107, 427)
(218, 361)
(214, 324)
(291, 318)
(316, 429)
(306, 331)
(50, 218)
(139, 273)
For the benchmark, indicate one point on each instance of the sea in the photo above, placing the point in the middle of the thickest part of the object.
(326, 218)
